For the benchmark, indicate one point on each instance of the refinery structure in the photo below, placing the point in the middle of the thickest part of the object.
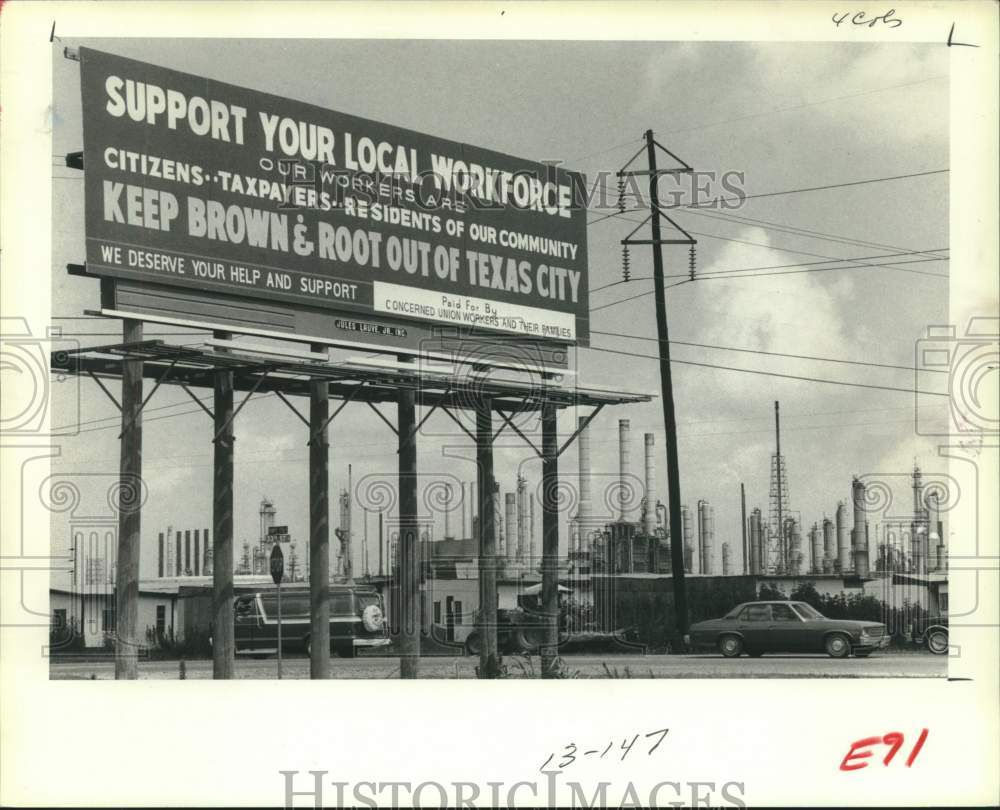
(617, 546)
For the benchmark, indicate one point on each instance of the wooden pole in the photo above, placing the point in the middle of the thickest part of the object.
(409, 559)
(667, 399)
(223, 643)
(489, 659)
(550, 542)
(319, 530)
(129, 512)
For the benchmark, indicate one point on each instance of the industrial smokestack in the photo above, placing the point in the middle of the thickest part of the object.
(725, 560)
(531, 529)
(690, 558)
(859, 534)
(624, 462)
(935, 538)
(510, 525)
(584, 513)
(447, 511)
(829, 551)
(648, 509)
(706, 536)
(755, 541)
(816, 544)
(795, 547)
(918, 493)
(464, 507)
(843, 549)
(522, 518)
(207, 566)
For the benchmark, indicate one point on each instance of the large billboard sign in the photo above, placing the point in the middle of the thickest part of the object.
(244, 196)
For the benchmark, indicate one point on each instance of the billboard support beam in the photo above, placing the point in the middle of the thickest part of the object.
(550, 542)
(223, 641)
(411, 623)
(489, 660)
(129, 513)
(319, 529)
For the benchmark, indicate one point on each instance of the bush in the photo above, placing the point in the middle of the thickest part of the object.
(860, 607)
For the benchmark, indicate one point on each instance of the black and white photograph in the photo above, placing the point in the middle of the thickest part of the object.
(564, 347)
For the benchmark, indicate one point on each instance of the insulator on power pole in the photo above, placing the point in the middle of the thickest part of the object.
(625, 263)
(621, 195)
(691, 262)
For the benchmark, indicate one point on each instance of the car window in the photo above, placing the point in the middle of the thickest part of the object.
(341, 604)
(783, 613)
(756, 613)
(244, 606)
(807, 611)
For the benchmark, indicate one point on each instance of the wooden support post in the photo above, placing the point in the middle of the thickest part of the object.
(411, 623)
(319, 529)
(129, 512)
(550, 541)
(223, 643)
(489, 658)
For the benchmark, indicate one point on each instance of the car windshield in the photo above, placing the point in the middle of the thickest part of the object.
(807, 611)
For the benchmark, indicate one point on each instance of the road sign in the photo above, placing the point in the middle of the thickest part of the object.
(277, 564)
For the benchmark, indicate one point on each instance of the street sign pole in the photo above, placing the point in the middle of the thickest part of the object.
(277, 574)
(279, 630)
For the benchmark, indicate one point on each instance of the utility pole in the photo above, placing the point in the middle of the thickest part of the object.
(663, 342)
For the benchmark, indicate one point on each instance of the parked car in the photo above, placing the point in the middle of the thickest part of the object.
(520, 630)
(931, 632)
(781, 626)
(357, 619)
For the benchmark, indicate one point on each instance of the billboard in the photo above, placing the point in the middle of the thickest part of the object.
(239, 196)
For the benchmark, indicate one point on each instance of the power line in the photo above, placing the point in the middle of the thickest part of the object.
(739, 199)
(892, 265)
(774, 373)
(632, 298)
(772, 354)
(778, 266)
(813, 234)
(821, 188)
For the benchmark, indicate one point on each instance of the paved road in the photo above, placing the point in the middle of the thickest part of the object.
(903, 664)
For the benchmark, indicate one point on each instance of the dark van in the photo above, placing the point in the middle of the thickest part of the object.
(357, 619)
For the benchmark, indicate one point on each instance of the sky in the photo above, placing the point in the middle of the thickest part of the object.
(788, 116)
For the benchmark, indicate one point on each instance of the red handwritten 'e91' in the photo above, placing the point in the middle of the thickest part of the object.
(856, 755)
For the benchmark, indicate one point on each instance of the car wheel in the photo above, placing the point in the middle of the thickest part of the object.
(307, 644)
(473, 645)
(527, 640)
(838, 646)
(731, 646)
(937, 642)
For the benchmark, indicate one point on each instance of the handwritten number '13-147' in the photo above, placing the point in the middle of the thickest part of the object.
(859, 19)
